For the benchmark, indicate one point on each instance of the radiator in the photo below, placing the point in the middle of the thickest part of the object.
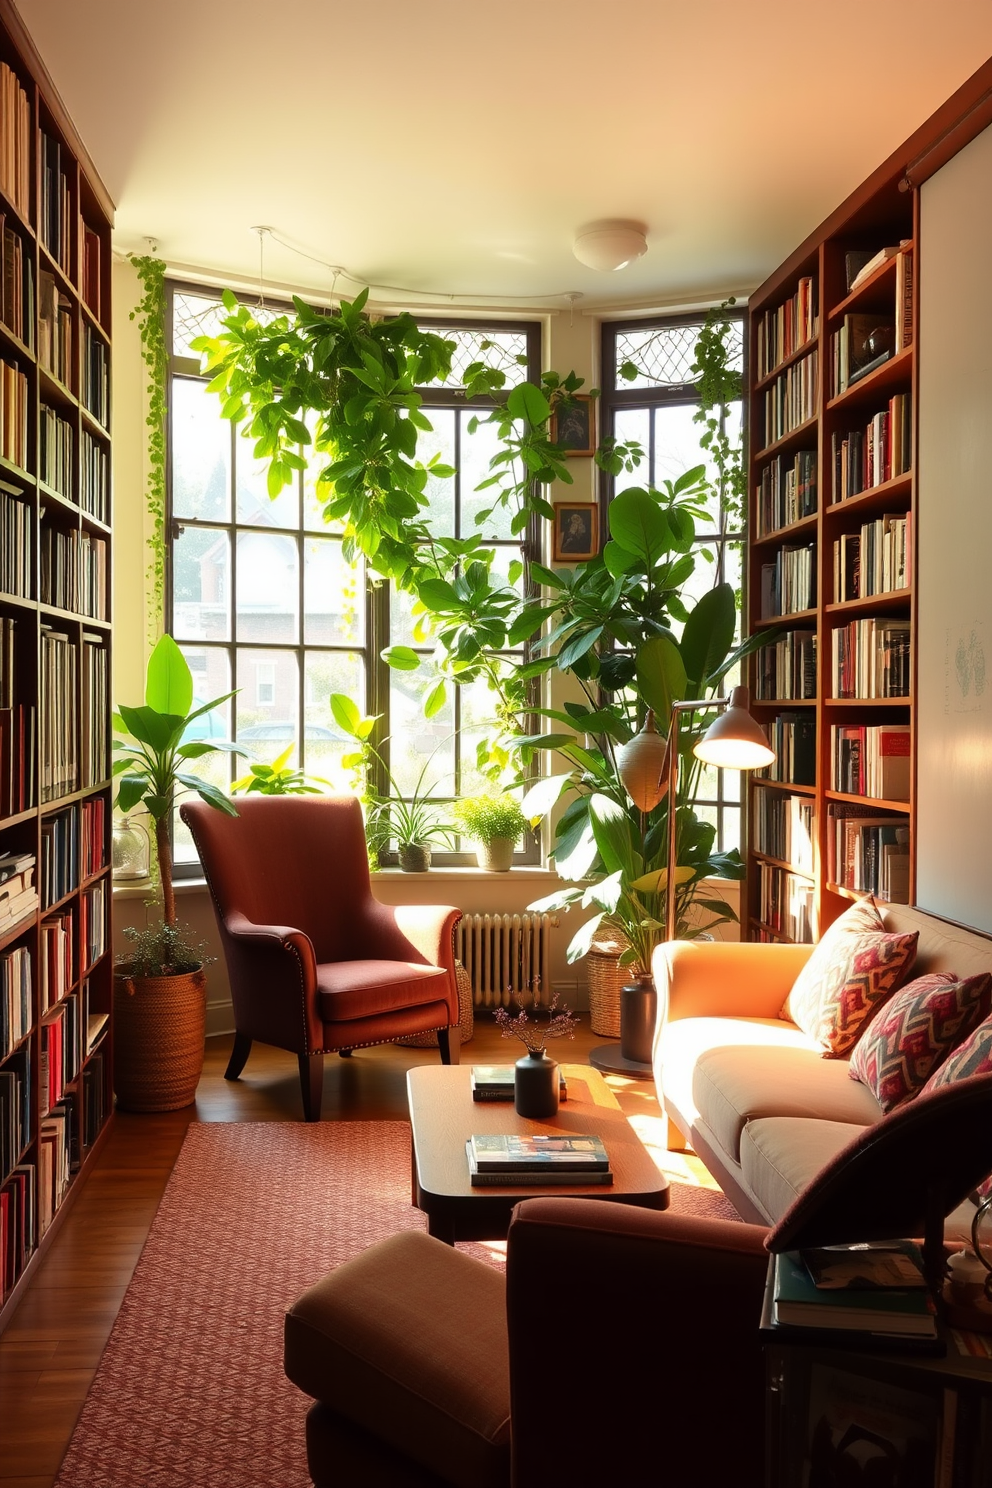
(505, 953)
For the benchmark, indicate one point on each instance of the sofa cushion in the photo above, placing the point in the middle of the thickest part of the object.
(728, 1071)
(854, 969)
(915, 1031)
(780, 1157)
(972, 1057)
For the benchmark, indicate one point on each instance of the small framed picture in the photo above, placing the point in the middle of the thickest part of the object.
(574, 425)
(576, 531)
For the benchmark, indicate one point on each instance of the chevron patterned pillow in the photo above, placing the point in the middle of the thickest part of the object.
(854, 969)
(915, 1032)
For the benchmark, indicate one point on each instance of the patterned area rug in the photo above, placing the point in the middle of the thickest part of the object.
(190, 1390)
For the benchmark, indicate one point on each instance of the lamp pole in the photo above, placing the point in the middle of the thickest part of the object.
(688, 706)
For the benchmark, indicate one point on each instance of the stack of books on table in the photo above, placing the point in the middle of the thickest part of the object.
(509, 1161)
(864, 1296)
(494, 1082)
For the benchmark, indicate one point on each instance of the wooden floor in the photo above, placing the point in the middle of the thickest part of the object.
(52, 1345)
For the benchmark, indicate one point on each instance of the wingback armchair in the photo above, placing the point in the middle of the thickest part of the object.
(317, 965)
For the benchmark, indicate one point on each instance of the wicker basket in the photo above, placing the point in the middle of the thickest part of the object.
(159, 1031)
(606, 978)
(466, 1015)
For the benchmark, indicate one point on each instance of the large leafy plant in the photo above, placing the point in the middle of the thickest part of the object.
(154, 755)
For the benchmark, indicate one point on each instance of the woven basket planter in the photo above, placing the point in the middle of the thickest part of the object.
(159, 1032)
(606, 978)
(466, 1015)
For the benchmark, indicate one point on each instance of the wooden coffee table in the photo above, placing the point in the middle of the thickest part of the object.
(443, 1116)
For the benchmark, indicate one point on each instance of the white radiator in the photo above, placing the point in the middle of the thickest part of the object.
(505, 953)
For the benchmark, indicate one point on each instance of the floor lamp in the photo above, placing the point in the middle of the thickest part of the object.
(734, 741)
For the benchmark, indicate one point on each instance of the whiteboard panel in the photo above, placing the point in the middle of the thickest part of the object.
(954, 541)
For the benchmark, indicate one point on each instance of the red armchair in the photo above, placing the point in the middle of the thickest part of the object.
(316, 964)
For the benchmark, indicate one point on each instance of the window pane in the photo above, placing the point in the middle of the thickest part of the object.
(324, 743)
(201, 454)
(268, 599)
(255, 506)
(477, 450)
(633, 424)
(267, 703)
(201, 584)
(440, 514)
(730, 836)
(334, 593)
(211, 671)
(402, 627)
(677, 450)
(478, 723)
(416, 741)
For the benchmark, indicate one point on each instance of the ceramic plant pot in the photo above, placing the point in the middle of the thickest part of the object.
(495, 856)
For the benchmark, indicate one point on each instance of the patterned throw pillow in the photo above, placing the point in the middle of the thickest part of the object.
(915, 1031)
(973, 1057)
(855, 967)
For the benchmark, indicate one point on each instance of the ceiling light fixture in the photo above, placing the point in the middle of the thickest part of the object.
(608, 246)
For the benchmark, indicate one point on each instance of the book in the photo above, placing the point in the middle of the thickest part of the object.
(543, 1176)
(875, 261)
(869, 1267)
(497, 1153)
(495, 1082)
(797, 1300)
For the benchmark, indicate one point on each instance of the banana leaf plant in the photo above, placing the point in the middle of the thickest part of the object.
(154, 753)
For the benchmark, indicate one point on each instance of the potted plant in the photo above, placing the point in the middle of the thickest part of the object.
(160, 989)
(495, 823)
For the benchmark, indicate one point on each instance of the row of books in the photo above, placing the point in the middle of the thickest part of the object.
(15, 542)
(788, 584)
(56, 959)
(92, 836)
(883, 449)
(15, 998)
(15, 142)
(787, 668)
(18, 1222)
(16, 285)
(511, 1161)
(55, 339)
(96, 376)
(94, 477)
(868, 853)
(791, 400)
(793, 738)
(783, 828)
(781, 332)
(55, 462)
(15, 1111)
(874, 560)
(786, 903)
(95, 1108)
(74, 571)
(876, 1289)
(94, 713)
(56, 218)
(787, 493)
(57, 1156)
(13, 414)
(871, 760)
(17, 758)
(871, 659)
(93, 924)
(18, 894)
(59, 856)
(62, 1043)
(59, 760)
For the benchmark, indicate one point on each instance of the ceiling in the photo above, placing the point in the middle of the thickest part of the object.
(451, 148)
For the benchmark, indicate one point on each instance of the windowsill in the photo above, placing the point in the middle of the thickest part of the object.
(142, 888)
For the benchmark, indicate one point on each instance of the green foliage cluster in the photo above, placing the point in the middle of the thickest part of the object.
(150, 312)
(489, 818)
(719, 386)
(164, 950)
(278, 779)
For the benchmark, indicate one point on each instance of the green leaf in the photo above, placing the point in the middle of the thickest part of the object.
(168, 682)
(345, 713)
(619, 560)
(527, 402)
(581, 942)
(401, 658)
(131, 790)
(542, 796)
(209, 793)
(660, 675)
(708, 635)
(614, 834)
(638, 524)
(656, 881)
(435, 699)
(160, 731)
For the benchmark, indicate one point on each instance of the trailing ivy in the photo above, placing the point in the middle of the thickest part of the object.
(719, 385)
(150, 313)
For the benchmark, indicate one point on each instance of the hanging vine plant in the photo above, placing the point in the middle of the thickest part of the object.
(150, 313)
(719, 385)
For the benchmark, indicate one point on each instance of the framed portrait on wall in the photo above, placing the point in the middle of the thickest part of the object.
(573, 425)
(576, 531)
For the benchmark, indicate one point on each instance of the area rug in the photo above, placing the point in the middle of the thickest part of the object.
(190, 1392)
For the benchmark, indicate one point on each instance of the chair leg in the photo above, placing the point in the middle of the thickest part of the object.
(449, 1041)
(345, 1053)
(239, 1056)
(311, 1084)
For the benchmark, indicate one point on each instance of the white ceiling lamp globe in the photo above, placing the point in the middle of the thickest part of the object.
(608, 246)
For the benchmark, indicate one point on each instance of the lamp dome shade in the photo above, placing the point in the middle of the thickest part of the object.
(608, 246)
(735, 740)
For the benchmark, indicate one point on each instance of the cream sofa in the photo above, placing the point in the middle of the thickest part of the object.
(748, 1091)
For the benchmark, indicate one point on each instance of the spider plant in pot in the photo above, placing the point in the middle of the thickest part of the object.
(413, 821)
(495, 823)
(160, 989)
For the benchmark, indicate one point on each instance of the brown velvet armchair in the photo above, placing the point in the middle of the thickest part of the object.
(316, 964)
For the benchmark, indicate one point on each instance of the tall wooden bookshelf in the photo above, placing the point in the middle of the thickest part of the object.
(55, 618)
(832, 416)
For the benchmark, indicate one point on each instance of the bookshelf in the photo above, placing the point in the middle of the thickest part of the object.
(56, 992)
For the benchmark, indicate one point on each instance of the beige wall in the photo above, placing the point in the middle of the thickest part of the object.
(571, 343)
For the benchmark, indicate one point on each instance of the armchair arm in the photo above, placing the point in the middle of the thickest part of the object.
(271, 937)
(273, 975)
(724, 979)
(430, 928)
(663, 1310)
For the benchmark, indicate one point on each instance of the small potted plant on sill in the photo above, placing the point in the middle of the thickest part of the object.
(495, 823)
(160, 988)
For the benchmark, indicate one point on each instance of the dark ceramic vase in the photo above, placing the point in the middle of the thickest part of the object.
(535, 1086)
